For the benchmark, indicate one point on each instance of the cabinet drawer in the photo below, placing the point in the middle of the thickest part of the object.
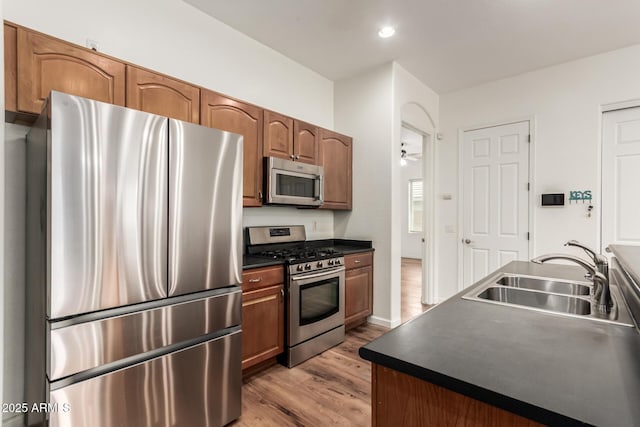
(261, 277)
(358, 260)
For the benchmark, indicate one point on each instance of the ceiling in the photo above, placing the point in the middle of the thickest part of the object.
(447, 44)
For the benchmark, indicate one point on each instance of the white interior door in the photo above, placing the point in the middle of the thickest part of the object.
(495, 198)
(620, 219)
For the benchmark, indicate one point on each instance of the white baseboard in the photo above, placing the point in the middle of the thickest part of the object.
(381, 321)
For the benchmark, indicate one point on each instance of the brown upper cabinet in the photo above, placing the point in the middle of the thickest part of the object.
(46, 64)
(228, 114)
(36, 64)
(278, 135)
(10, 67)
(290, 139)
(334, 152)
(305, 142)
(158, 94)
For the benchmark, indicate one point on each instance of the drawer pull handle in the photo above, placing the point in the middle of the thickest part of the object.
(357, 261)
(259, 279)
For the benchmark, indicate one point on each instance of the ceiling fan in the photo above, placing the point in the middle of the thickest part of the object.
(404, 156)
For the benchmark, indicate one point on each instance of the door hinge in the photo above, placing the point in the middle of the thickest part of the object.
(529, 138)
(528, 186)
(527, 235)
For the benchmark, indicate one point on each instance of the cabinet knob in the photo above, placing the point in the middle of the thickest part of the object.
(297, 157)
(292, 157)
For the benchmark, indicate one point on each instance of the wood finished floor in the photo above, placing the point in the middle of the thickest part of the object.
(333, 388)
(411, 284)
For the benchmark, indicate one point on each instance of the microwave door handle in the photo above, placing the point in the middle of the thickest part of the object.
(320, 188)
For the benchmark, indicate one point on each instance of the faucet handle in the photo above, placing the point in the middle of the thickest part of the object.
(587, 249)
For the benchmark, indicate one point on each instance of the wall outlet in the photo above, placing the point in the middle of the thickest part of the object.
(92, 44)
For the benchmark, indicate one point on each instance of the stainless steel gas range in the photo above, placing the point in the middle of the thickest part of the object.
(315, 289)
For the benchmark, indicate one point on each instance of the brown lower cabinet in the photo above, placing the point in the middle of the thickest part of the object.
(398, 399)
(358, 298)
(262, 315)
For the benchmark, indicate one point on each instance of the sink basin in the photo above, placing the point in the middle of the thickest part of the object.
(547, 295)
(539, 300)
(544, 285)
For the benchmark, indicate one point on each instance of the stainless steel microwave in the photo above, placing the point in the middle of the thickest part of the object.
(293, 183)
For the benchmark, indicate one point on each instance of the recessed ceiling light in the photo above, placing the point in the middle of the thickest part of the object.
(386, 32)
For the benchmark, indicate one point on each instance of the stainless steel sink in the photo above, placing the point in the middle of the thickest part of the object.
(545, 285)
(540, 300)
(548, 295)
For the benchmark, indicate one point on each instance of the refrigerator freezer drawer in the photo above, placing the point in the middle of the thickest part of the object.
(89, 345)
(196, 386)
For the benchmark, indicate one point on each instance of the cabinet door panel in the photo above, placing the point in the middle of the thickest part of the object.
(10, 65)
(358, 301)
(305, 142)
(46, 64)
(262, 325)
(224, 113)
(158, 94)
(278, 135)
(335, 156)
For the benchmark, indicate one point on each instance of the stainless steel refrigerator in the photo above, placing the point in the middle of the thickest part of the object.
(134, 246)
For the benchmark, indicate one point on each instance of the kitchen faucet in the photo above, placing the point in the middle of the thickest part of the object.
(599, 260)
(601, 293)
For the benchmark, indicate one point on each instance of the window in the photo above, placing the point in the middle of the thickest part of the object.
(415, 206)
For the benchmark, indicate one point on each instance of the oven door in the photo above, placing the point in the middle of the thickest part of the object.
(316, 304)
(294, 183)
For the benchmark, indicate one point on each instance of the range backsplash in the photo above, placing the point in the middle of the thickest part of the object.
(318, 223)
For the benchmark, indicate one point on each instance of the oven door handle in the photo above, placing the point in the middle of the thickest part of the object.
(314, 275)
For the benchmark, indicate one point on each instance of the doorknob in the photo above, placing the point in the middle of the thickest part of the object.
(466, 241)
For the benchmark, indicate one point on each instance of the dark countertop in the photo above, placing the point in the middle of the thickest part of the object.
(346, 246)
(249, 262)
(545, 367)
(629, 256)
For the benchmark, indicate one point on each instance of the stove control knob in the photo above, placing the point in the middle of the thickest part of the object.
(307, 267)
(330, 262)
(299, 267)
(337, 261)
(319, 265)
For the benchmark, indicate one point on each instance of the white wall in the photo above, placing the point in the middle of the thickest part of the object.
(418, 105)
(369, 108)
(565, 101)
(318, 223)
(172, 37)
(411, 245)
(364, 110)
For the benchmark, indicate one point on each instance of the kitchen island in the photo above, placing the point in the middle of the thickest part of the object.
(468, 362)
